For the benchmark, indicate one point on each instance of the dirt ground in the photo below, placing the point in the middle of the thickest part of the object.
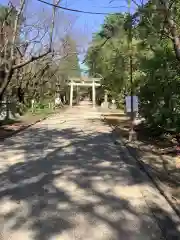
(157, 154)
(9, 127)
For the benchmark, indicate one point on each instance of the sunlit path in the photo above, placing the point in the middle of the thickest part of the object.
(65, 179)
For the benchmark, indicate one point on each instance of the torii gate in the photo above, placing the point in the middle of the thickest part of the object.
(94, 82)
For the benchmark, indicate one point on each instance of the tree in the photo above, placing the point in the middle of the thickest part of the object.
(166, 12)
(155, 71)
(109, 55)
(70, 65)
(10, 63)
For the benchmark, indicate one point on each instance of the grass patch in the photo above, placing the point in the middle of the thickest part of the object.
(37, 114)
(44, 112)
(10, 126)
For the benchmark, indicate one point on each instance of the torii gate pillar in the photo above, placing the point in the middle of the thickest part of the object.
(92, 84)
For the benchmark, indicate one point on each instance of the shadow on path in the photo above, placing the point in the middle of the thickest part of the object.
(66, 179)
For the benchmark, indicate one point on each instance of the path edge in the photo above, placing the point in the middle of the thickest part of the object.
(26, 127)
(22, 129)
(143, 167)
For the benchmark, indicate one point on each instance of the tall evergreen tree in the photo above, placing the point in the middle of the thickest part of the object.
(70, 65)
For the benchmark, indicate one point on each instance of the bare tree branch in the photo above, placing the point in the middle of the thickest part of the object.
(16, 25)
(56, 3)
(32, 59)
(172, 28)
(11, 62)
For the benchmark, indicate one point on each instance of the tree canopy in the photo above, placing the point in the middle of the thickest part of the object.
(155, 60)
(39, 76)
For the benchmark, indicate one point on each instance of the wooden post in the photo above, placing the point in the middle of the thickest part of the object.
(71, 95)
(105, 97)
(93, 94)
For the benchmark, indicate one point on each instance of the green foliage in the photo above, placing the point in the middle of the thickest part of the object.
(159, 80)
(70, 65)
(107, 54)
(41, 111)
(156, 72)
(159, 92)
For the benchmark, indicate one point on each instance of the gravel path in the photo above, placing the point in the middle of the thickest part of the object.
(64, 178)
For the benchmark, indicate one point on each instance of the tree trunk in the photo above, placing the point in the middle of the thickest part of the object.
(6, 82)
(172, 27)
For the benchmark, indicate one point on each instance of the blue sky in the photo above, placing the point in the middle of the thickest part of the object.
(91, 21)
(85, 24)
